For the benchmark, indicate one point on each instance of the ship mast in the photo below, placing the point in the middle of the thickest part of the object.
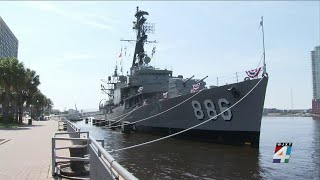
(141, 36)
(141, 30)
(264, 51)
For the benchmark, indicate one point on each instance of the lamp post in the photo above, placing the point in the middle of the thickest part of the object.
(31, 111)
(100, 102)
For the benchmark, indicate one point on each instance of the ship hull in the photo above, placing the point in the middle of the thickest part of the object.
(240, 125)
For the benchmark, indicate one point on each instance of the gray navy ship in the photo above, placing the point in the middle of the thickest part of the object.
(152, 100)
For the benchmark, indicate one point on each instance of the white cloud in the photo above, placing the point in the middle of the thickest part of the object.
(77, 56)
(103, 18)
(91, 20)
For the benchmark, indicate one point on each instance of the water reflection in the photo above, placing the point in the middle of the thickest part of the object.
(301, 132)
(184, 159)
(180, 159)
(316, 145)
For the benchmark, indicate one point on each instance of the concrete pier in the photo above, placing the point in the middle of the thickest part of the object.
(27, 155)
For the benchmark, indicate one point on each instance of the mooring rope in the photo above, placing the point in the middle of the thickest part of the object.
(177, 133)
(119, 116)
(160, 112)
(127, 114)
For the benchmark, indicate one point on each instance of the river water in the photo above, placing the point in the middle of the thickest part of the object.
(186, 159)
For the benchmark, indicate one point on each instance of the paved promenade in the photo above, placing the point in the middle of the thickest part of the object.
(27, 155)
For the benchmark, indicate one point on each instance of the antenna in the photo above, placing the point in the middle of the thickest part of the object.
(291, 101)
(75, 105)
(264, 50)
(149, 28)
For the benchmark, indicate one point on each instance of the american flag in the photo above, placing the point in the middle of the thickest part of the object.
(254, 72)
(165, 95)
(195, 88)
(140, 89)
(153, 51)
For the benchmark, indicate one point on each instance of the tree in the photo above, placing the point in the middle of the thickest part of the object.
(20, 86)
(49, 105)
(30, 87)
(11, 74)
(38, 102)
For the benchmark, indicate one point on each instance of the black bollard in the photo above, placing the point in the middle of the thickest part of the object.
(125, 127)
(30, 121)
(78, 151)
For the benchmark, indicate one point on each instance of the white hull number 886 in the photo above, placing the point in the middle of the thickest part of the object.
(210, 109)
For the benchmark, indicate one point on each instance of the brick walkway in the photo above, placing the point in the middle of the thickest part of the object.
(28, 153)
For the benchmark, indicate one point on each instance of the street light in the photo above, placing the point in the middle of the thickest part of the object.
(100, 103)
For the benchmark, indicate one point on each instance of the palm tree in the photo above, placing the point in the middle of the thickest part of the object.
(20, 86)
(38, 102)
(30, 87)
(49, 105)
(11, 74)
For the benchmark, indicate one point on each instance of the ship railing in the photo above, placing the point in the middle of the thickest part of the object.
(231, 78)
(102, 164)
(162, 67)
(156, 67)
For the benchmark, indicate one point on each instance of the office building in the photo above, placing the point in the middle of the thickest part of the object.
(8, 45)
(315, 63)
(8, 42)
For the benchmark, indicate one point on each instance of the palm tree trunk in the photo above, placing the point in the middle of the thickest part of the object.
(19, 108)
(16, 112)
(5, 107)
(20, 112)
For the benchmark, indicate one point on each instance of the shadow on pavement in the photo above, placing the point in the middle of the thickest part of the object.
(15, 128)
(22, 127)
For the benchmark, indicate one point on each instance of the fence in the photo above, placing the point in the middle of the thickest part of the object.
(102, 164)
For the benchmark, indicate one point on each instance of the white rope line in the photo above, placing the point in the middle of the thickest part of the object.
(136, 108)
(171, 135)
(118, 116)
(160, 112)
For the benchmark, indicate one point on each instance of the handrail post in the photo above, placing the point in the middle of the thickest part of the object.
(114, 169)
(53, 157)
(102, 143)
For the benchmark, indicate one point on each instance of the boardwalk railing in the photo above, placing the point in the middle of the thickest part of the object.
(61, 125)
(102, 164)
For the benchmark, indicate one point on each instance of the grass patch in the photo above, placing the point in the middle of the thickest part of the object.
(10, 125)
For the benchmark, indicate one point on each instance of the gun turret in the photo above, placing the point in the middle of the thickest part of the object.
(202, 79)
(184, 82)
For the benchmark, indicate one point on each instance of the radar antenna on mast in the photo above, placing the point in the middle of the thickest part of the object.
(142, 29)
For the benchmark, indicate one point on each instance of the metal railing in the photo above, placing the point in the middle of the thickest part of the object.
(102, 164)
(55, 149)
(61, 124)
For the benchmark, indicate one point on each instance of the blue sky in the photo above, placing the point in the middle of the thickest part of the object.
(73, 45)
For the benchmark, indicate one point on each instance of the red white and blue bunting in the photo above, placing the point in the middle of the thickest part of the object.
(195, 88)
(254, 72)
(165, 95)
